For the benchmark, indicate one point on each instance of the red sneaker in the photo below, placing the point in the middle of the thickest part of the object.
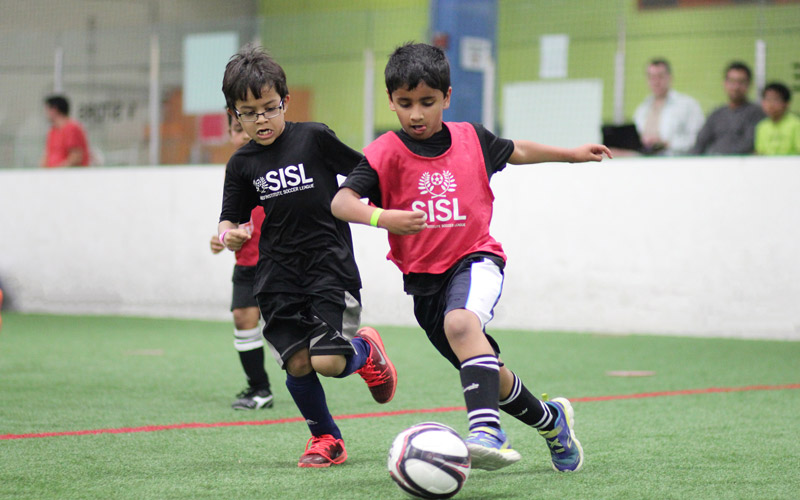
(378, 372)
(323, 451)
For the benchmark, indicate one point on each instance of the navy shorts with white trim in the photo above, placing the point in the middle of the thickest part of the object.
(475, 285)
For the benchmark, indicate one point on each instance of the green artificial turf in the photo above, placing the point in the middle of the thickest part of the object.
(76, 373)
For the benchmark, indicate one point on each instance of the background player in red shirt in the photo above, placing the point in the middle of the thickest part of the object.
(66, 144)
(432, 179)
(247, 338)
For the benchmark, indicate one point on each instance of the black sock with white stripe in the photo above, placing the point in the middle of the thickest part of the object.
(524, 406)
(253, 365)
(480, 380)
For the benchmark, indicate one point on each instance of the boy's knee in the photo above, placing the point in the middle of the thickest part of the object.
(299, 364)
(328, 366)
(460, 324)
(246, 318)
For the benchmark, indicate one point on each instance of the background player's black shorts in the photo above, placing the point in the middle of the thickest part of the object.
(244, 279)
(475, 285)
(324, 322)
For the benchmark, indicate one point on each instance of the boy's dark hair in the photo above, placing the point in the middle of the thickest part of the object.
(660, 61)
(739, 65)
(413, 63)
(58, 102)
(781, 89)
(252, 68)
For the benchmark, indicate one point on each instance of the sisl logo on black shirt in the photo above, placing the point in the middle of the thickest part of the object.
(285, 180)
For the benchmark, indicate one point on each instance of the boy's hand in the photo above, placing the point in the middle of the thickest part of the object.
(235, 238)
(590, 152)
(403, 221)
(216, 246)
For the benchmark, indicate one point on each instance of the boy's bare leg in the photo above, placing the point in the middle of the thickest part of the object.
(249, 344)
(480, 382)
(506, 381)
(465, 335)
(329, 365)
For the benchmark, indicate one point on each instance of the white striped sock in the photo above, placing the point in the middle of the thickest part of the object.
(487, 361)
(483, 416)
(546, 418)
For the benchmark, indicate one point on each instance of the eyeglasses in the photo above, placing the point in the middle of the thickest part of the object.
(251, 116)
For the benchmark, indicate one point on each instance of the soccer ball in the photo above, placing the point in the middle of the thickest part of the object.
(429, 460)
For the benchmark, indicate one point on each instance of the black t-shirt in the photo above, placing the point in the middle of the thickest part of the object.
(364, 181)
(303, 247)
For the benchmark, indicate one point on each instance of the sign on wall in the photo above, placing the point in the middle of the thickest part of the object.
(204, 58)
(536, 111)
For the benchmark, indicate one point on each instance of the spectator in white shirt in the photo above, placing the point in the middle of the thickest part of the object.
(667, 121)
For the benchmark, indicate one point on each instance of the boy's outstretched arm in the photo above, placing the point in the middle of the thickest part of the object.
(346, 205)
(231, 236)
(526, 152)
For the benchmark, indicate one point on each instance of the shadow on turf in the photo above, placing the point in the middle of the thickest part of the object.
(484, 484)
(480, 485)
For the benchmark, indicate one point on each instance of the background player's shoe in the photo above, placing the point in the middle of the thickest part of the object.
(378, 372)
(566, 452)
(489, 448)
(253, 399)
(323, 451)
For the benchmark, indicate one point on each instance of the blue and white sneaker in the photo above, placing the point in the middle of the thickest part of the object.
(490, 449)
(565, 450)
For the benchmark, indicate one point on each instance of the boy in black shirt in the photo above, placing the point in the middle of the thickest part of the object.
(307, 283)
(433, 180)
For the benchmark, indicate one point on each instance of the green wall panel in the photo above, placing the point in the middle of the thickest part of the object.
(321, 46)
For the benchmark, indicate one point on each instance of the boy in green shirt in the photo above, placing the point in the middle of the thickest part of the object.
(779, 133)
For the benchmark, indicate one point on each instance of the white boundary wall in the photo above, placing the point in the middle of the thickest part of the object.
(686, 246)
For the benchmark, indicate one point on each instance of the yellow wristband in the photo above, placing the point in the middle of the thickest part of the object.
(373, 221)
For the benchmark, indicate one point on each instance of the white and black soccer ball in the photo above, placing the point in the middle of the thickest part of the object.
(429, 460)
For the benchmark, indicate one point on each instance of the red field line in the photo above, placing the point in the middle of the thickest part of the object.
(688, 392)
(200, 425)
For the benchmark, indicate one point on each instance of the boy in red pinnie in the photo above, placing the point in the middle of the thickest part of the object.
(432, 181)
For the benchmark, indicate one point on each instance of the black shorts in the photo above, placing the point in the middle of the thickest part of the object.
(475, 285)
(323, 322)
(244, 279)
